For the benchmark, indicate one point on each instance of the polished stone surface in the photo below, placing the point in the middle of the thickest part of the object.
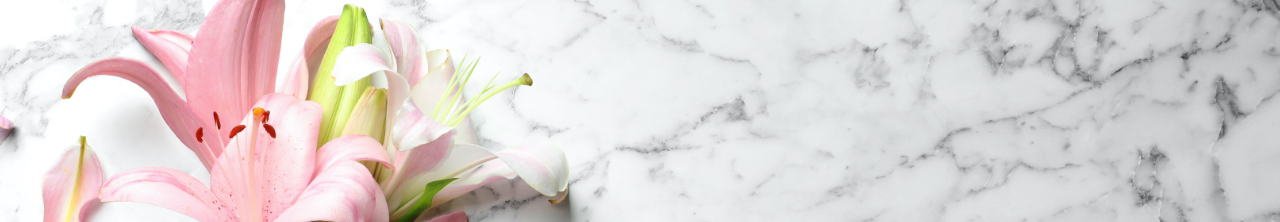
(881, 110)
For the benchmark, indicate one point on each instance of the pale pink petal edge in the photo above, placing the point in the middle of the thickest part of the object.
(166, 188)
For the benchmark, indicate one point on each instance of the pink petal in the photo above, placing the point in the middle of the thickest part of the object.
(282, 166)
(404, 46)
(343, 192)
(234, 58)
(412, 128)
(171, 47)
(542, 167)
(5, 128)
(466, 156)
(411, 165)
(167, 188)
(71, 184)
(350, 148)
(292, 152)
(298, 80)
(460, 216)
(181, 120)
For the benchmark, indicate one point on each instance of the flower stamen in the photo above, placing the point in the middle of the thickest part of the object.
(216, 121)
(450, 111)
(474, 102)
(235, 131)
(270, 130)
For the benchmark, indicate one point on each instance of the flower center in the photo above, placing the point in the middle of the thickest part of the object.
(260, 116)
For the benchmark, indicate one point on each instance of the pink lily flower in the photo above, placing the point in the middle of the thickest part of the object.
(72, 184)
(270, 171)
(432, 138)
(224, 69)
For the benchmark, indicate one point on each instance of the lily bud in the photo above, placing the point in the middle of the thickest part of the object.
(368, 117)
(369, 114)
(338, 101)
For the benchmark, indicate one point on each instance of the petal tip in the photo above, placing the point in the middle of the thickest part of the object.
(560, 197)
(68, 93)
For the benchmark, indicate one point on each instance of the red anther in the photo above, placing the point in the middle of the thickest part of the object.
(216, 121)
(200, 134)
(270, 130)
(265, 116)
(235, 130)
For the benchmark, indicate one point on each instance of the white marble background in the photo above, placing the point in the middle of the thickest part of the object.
(724, 110)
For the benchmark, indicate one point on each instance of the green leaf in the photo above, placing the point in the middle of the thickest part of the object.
(424, 200)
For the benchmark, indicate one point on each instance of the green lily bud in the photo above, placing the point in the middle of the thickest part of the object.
(369, 114)
(338, 101)
(368, 117)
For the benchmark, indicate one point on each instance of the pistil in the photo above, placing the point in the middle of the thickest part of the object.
(450, 111)
(258, 117)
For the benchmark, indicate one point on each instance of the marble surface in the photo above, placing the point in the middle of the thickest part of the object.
(705, 110)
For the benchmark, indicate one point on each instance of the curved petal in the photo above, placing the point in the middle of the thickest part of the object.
(439, 61)
(259, 172)
(171, 47)
(358, 61)
(234, 58)
(350, 148)
(71, 184)
(460, 216)
(167, 188)
(397, 95)
(408, 180)
(412, 129)
(428, 92)
(404, 46)
(298, 80)
(432, 87)
(343, 192)
(361, 60)
(181, 120)
(5, 128)
(489, 173)
(543, 167)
